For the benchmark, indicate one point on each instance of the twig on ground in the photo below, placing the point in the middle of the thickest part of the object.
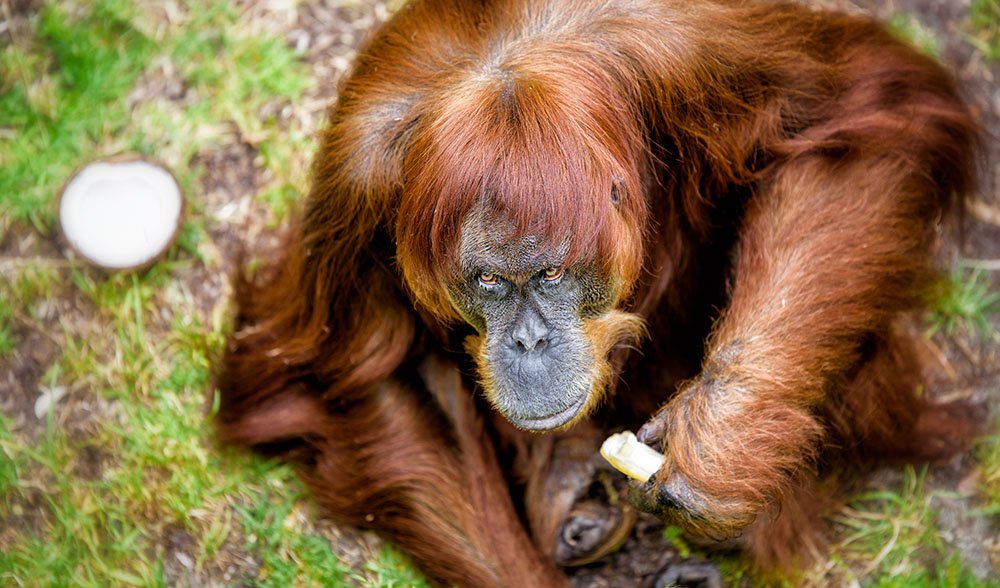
(8, 264)
(983, 211)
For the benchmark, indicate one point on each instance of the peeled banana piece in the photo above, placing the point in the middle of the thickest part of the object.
(631, 457)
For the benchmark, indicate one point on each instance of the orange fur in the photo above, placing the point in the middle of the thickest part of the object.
(777, 173)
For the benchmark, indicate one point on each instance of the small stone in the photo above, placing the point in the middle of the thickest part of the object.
(184, 559)
(47, 400)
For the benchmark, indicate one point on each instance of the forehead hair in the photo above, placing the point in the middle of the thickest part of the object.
(491, 242)
(541, 152)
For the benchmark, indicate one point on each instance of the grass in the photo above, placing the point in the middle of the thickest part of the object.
(891, 539)
(988, 454)
(120, 483)
(7, 341)
(64, 90)
(962, 300)
(909, 28)
(392, 570)
(8, 467)
(985, 23)
(887, 537)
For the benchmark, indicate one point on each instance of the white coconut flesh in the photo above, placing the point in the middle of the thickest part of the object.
(121, 215)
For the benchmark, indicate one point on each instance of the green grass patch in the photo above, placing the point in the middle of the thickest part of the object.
(156, 467)
(273, 530)
(891, 540)
(127, 457)
(988, 453)
(7, 341)
(8, 467)
(392, 570)
(256, 70)
(34, 283)
(675, 535)
(123, 301)
(21, 291)
(65, 92)
(735, 571)
(909, 28)
(65, 96)
(962, 300)
(984, 19)
(259, 74)
(87, 538)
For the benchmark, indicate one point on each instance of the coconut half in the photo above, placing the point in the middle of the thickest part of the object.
(121, 214)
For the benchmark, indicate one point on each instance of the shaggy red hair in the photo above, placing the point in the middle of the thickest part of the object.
(759, 183)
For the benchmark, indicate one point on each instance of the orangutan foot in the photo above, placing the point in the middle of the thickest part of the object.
(599, 522)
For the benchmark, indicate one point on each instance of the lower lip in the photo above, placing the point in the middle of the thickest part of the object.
(553, 421)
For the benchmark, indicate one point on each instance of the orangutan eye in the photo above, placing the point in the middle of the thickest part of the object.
(552, 274)
(488, 279)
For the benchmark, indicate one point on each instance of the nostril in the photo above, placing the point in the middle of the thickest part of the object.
(526, 344)
(530, 332)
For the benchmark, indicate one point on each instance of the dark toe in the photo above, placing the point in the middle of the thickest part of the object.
(582, 532)
(592, 531)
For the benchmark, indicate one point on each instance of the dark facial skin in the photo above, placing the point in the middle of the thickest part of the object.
(530, 311)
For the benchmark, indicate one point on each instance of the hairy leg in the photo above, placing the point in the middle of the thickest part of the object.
(879, 411)
(876, 412)
(421, 473)
(884, 411)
